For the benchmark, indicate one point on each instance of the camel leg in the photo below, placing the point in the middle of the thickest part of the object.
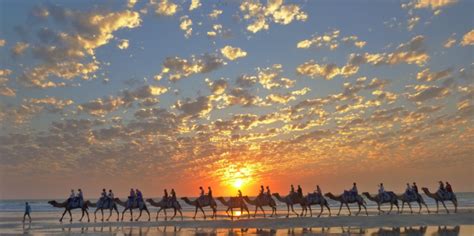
(139, 215)
(263, 211)
(288, 210)
(231, 213)
(248, 213)
(437, 207)
(445, 207)
(349, 209)
(419, 205)
(203, 212)
(255, 213)
(118, 213)
(95, 217)
(195, 213)
(340, 208)
(180, 213)
(310, 211)
(70, 215)
(166, 215)
(87, 213)
(131, 214)
(403, 205)
(398, 208)
(214, 212)
(322, 209)
(329, 209)
(455, 203)
(359, 210)
(61, 220)
(411, 209)
(123, 212)
(174, 214)
(367, 213)
(292, 209)
(110, 214)
(378, 207)
(82, 216)
(391, 208)
(158, 213)
(148, 213)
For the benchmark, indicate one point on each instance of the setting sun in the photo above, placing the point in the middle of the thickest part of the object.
(238, 183)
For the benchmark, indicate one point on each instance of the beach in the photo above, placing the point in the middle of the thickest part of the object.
(46, 222)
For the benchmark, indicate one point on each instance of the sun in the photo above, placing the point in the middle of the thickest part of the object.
(238, 183)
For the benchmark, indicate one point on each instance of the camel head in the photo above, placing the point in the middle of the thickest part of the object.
(221, 199)
(276, 194)
(149, 200)
(53, 202)
(425, 190)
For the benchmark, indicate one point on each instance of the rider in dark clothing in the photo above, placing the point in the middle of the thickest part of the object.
(209, 193)
(300, 191)
(268, 192)
(292, 189)
(262, 190)
(202, 191)
(449, 189)
(173, 195)
(165, 195)
(415, 188)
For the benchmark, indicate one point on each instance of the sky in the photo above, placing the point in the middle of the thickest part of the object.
(155, 94)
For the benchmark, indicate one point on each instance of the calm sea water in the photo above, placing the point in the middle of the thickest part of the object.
(464, 199)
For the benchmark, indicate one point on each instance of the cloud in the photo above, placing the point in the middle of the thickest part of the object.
(165, 7)
(270, 77)
(433, 4)
(194, 4)
(123, 44)
(186, 26)
(326, 71)
(215, 13)
(260, 15)
(426, 75)
(131, 3)
(199, 107)
(4, 79)
(2, 42)
(330, 40)
(233, 53)
(177, 68)
(424, 92)
(71, 54)
(451, 41)
(468, 38)
(218, 87)
(19, 48)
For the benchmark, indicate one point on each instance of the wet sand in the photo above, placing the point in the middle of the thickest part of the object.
(48, 222)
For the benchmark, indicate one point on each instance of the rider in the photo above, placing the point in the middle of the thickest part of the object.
(239, 195)
(209, 192)
(354, 190)
(139, 195)
(449, 189)
(300, 191)
(409, 190)
(80, 196)
(103, 196)
(292, 189)
(441, 189)
(132, 197)
(72, 196)
(269, 193)
(262, 190)
(381, 190)
(173, 195)
(165, 195)
(318, 191)
(415, 188)
(110, 196)
(202, 191)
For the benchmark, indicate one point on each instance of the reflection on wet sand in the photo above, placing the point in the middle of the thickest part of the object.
(346, 230)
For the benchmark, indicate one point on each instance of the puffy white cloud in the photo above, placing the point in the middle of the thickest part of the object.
(2, 42)
(4, 79)
(270, 77)
(260, 15)
(165, 7)
(233, 53)
(194, 4)
(451, 41)
(177, 68)
(186, 26)
(330, 40)
(433, 4)
(468, 38)
(123, 44)
(326, 71)
(131, 3)
(215, 13)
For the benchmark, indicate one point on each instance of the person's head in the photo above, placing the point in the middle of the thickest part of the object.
(354, 184)
(172, 190)
(440, 182)
(447, 183)
(200, 187)
(79, 190)
(414, 183)
(103, 190)
(209, 187)
(317, 186)
(261, 186)
(72, 190)
(110, 190)
(239, 191)
(26, 203)
(268, 187)
(165, 190)
(299, 186)
(408, 184)
(136, 190)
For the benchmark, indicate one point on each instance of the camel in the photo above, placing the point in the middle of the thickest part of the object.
(234, 202)
(111, 206)
(290, 201)
(163, 205)
(199, 204)
(261, 201)
(343, 200)
(315, 199)
(141, 206)
(438, 199)
(393, 200)
(407, 199)
(70, 206)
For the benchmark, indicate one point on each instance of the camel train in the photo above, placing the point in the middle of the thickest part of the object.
(264, 199)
